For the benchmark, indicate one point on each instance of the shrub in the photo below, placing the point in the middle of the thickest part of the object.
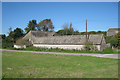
(90, 47)
(7, 43)
(114, 42)
(23, 42)
(108, 50)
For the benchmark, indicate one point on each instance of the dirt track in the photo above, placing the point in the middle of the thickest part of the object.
(115, 56)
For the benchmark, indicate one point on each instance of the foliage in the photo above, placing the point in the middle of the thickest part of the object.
(31, 48)
(23, 42)
(109, 50)
(31, 26)
(17, 33)
(67, 30)
(94, 32)
(114, 42)
(89, 46)
(3, 36)
(60, 32)
(0, 41)
(12, 37)
(45, 25)
(76, 32)
(118, 37)
(107, 39)
(7, 43)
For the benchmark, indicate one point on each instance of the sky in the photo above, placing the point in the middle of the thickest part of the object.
(100, 15)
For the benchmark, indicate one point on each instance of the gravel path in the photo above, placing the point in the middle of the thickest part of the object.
(114, 56)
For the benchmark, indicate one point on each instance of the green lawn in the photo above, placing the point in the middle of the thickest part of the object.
(31, 65)
(105, 51)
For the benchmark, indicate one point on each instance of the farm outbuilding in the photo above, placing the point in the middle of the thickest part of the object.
(49, 40)
(112, 31)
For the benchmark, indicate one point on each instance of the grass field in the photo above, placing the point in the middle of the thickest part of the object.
(31, 65)
(105, 51)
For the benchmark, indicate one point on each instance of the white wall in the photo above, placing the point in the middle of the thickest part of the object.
(98, 47)
(79, 47)
(60, 46)
(19, 46)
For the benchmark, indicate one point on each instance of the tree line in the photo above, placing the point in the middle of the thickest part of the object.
(47, 25)
(44, 25)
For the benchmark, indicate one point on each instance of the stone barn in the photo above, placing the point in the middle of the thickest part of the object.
(112, 31)
(50, 40)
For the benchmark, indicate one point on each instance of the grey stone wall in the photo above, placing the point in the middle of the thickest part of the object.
(73, 39)
(103, 44)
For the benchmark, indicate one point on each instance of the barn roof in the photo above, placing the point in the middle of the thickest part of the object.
(39, 37)
(72, 39)
(112, 29)
(38, 34)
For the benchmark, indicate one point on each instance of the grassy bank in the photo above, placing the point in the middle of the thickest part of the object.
(105, 51)
(30, 65)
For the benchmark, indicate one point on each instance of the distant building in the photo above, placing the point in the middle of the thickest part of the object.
(112, 31)
(49, 40)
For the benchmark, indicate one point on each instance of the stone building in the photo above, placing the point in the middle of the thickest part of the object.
(112, 31)
(49, 40)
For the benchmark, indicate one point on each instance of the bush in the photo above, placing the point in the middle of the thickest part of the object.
(7, 43)
(23, 42)
(114, 42)
(108, 49)
(90, 47)
(107, 39)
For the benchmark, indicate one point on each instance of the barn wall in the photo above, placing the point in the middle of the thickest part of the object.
(103, 44)
(98, 47)
(19, 46)
(78, 47)
(112, 32)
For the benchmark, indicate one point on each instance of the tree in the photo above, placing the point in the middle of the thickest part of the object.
(67, 30)
(10, 29)
(60, 32)
(90, 47)
(7, 43)
(22, 42)
(107, 39)
(118, 38)
(71, 29)
(76, 32)
(18, 32)
(3, 36)
(31, 26)
(114, 42)
(12, 37)
(45, 25)
(92, 32)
